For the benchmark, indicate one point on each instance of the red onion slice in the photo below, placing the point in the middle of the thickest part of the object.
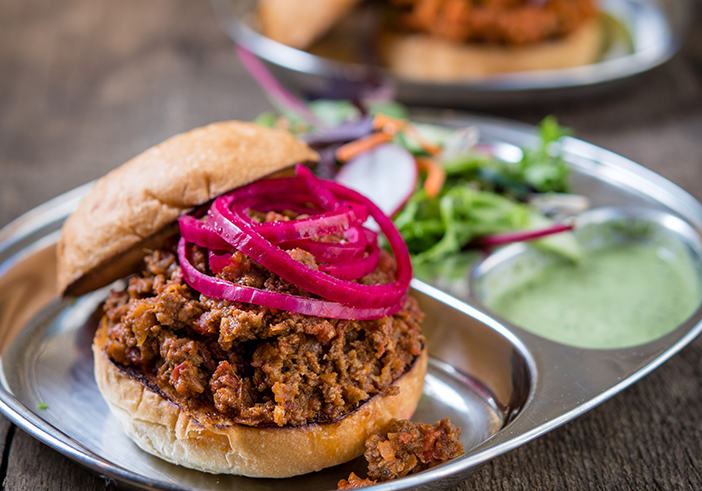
(397, 244)
(334, 252)
(355, 270)
(274, 89)
(328, 223)
(521, 235)
(326, 198)
(218, 260)
(263, 205)
(345, 132)
(218, 288)
(229, 227)
(247, 240)
(280, 188)
(199, 233)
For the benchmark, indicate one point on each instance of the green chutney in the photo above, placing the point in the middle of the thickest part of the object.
(618, 296)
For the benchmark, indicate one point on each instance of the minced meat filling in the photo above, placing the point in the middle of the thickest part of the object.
(251, 364)
(404, 447)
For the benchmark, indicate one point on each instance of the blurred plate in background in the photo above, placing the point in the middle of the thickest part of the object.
(653, 29)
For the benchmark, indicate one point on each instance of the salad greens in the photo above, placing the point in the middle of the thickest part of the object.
(482, 194)
(541, 169)
(333, 113)
(434, 228)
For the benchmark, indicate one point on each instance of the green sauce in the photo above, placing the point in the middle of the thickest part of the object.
(615, 297)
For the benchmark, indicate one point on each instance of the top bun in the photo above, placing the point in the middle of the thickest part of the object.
(135, 206)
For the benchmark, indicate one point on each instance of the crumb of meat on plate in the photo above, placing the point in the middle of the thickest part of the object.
(405, 447)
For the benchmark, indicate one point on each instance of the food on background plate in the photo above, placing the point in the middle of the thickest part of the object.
(451, 40)
(405, 447)
(265, 333)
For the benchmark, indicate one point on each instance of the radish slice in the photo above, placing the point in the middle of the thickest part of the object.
(387, 175)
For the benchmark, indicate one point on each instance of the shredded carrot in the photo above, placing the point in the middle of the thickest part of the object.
(436, 176)
(356, 147)
(391, 125)
(388, 124)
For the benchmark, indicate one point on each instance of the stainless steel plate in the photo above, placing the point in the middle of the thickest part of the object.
(502, 385)
(658, 29)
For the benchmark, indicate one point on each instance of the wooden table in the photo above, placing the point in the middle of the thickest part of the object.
(86, 84)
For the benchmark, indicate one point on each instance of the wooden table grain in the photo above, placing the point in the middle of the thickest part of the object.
(86, 84)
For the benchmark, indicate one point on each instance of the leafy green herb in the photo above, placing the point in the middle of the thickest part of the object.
(389, 108)
(435, 228)
(334, 112)
(266, 119)
(42, 406)
(543, 168)
(483, 196)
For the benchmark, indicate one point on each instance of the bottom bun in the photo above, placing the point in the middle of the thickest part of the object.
(162, 428)
(424, 58)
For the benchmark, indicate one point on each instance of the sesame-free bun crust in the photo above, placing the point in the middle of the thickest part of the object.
(299, 23)
(429, 59)
(134, 207)
(162, 428)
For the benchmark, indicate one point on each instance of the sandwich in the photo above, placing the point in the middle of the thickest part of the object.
(455, 40)
(257, 329)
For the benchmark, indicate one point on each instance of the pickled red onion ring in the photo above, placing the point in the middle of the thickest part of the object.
(357, 270)
(392, 235)
(336, 252)
(326, 198)
(280, 206)
(331, 209)
(201, 234)
(218, 260)
(274, 188)
(246, 239)
(218, 288)
(327, 223)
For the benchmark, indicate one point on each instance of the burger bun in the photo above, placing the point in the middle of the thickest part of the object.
(135, 207)
(429, 59)
(163, 428)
